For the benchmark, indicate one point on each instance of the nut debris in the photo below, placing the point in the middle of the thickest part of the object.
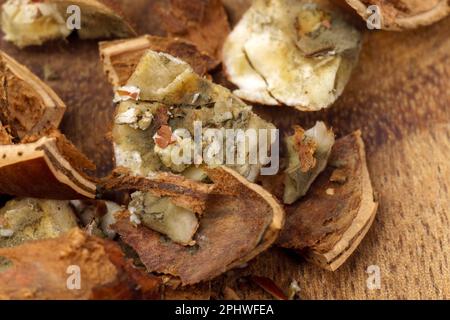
(29, 219)
(307, 156)
(176, 97)
(270, 287)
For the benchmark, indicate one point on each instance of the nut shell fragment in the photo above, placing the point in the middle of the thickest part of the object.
(120, 57)
(240, 221)
(48, 168)
(397, 15)
(43, 269)
(326, 227)
(29, 105)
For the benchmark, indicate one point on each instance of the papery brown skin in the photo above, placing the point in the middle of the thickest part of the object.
(42, 270)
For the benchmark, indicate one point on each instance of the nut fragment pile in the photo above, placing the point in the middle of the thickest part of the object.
(29, 106)
(155, 222)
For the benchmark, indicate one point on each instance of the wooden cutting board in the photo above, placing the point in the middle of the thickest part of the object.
(399, 96)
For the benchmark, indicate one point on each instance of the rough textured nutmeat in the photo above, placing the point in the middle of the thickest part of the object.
(174, 96)
(306, 156)
(294, 53)
(27, 219)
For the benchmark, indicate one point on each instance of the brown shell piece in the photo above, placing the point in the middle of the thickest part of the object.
(43, 269)
(240, 221)
(331, 220)
(120, 57)
(400, 15)
(29, 105)
(50, 168)
(203, 22)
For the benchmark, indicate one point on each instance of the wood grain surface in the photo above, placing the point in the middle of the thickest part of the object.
(399, 96)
